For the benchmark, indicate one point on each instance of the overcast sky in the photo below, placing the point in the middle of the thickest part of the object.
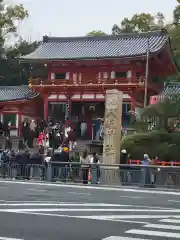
(78, 17)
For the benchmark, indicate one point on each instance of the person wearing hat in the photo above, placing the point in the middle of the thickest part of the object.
(124, 169)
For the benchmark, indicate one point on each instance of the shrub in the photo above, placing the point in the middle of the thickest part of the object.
(155, 143)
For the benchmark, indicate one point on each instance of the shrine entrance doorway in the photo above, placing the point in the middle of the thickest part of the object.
(91, 113)
(57, 111)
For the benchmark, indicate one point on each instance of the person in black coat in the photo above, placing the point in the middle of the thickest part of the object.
(7, 129)
(60, 169)
(55, 166)
(12, 173)
(124, 157)
(42, 126)
(23, 159)
(25, 164)
(4, 163)
(21, 145)
(8, 143)
(25, 130)
(37, 168)
(36, 159)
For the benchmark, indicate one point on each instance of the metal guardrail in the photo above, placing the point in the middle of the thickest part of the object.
(104, 174)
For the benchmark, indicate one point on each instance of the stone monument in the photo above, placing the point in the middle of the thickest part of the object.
(112, 127)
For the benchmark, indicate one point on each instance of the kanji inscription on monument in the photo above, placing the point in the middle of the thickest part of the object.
(112, 127)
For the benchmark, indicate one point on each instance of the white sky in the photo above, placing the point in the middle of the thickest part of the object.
(78, 17)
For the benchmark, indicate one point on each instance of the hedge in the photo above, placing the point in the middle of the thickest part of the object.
(155, 143)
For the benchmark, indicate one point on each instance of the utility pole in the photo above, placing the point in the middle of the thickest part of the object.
(147, 74)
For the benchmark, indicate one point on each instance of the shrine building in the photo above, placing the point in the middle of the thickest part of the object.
(70, 75)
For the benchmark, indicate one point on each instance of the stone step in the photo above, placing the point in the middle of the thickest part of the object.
(81, 145)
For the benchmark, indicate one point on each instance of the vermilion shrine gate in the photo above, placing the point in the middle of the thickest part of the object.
(71, 75)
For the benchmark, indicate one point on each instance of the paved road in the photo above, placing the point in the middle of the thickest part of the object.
(52, 211)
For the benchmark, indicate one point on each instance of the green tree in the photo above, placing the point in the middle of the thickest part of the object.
(176, 15)
(14, 73)
(163, 112)
(22, 47)
(96, 33)
(142, 22)
(160, 19)
(9, 17)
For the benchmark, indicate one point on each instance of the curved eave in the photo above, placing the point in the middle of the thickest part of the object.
(45, 60)
(18, 101)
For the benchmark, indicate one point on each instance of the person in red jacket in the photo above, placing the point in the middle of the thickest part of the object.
(42, 139)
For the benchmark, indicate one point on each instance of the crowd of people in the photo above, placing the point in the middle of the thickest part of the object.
(47, 134)
(24, 164)
(54, 141)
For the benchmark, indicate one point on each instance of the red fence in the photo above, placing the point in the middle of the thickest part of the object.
(160, 163)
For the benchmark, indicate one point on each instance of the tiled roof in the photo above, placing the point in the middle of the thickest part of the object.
(171, 88)
(15, 93)
(124, 45)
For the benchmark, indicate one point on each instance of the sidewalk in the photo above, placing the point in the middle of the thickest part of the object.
(168, 190)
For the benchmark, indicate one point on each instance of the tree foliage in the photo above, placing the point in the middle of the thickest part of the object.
(11, 73)
(96, 33)
(142, 22)
(17, 73)
(9, 19)
(155, 143)
(163, 115)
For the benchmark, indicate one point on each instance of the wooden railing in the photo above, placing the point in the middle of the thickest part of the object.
(85, 81)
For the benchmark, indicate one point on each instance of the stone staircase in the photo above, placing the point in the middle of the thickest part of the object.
(81, 145)
(15, 141)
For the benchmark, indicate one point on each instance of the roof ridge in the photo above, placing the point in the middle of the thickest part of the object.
(172, 84)
(105, 37)
(16, 86)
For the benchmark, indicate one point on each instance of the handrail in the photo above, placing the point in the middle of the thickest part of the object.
(86, 82)
(118, 165)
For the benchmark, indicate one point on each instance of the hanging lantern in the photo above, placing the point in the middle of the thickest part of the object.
(67, 108)
(66, 111)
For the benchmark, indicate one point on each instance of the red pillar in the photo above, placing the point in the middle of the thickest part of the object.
(45, 107)
(70, 107)
(133, 104)
(19, 124)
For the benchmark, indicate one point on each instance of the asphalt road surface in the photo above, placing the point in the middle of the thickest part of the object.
(33, 211)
